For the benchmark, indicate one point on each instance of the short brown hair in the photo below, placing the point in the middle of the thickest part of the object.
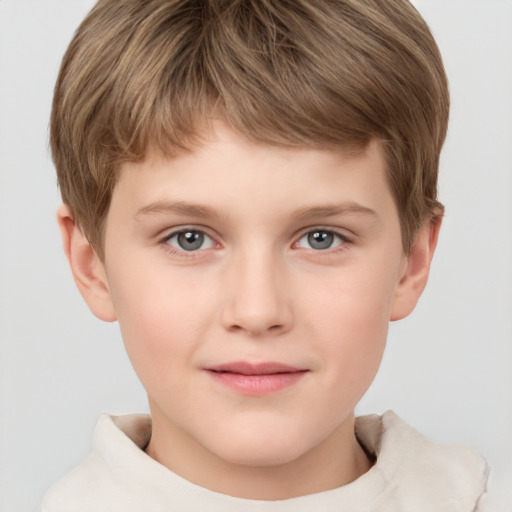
(144, 74)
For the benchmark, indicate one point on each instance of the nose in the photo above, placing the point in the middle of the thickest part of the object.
(258, 300)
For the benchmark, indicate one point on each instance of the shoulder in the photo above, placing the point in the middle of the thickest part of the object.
(440, 477)
(108, 476)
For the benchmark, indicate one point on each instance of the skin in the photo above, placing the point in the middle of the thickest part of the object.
(256, 290)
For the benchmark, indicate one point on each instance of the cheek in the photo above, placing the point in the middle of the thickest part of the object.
(354, 318)
(161, 319)
(352, 300)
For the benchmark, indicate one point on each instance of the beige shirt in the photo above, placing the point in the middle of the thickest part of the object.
(411, 474)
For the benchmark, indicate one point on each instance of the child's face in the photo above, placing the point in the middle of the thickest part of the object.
(238, 255)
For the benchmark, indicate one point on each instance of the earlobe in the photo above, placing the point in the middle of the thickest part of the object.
(415, 275)
(87, 269)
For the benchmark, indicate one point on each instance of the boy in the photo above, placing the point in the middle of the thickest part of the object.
(249, 188)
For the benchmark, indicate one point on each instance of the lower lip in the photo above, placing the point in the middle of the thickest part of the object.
(257, 384)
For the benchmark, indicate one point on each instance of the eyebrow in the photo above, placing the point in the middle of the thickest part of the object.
(176, 208)
(200, 211)
(347, 208)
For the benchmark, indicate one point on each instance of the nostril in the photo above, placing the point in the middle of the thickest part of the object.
(256, 330)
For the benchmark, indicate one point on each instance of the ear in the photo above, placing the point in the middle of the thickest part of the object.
(88, 270)
(416, 269)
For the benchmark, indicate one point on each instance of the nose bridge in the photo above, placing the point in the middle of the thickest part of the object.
(258, 299)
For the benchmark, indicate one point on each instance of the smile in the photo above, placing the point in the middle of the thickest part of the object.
(256, 379)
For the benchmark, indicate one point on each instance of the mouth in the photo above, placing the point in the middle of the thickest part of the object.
(256, 379)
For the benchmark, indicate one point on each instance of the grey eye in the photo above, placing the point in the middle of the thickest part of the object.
(320, 240)
(190, 240)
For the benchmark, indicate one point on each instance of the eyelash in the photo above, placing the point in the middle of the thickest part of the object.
(342, 238)
(164, 242)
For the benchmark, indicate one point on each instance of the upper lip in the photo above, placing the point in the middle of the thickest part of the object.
(246, 368)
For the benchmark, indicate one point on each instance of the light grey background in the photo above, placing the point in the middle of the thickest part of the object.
(448, 367)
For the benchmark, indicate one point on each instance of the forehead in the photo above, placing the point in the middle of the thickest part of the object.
(229, 172)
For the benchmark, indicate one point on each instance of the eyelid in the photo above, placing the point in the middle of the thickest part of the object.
(341, 232)
(338, 232)
(172, 232)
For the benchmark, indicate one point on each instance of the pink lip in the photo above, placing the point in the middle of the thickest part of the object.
(256, 379)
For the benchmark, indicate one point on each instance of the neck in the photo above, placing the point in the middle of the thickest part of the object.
(336, 461)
